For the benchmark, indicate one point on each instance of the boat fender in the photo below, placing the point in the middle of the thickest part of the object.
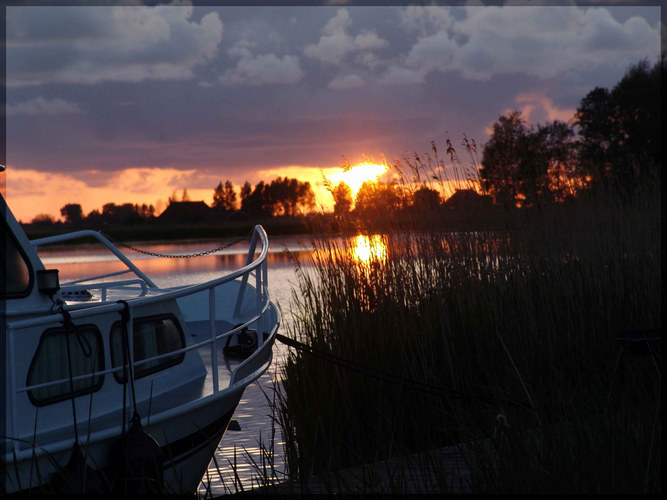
(139, 462)
(246, 343)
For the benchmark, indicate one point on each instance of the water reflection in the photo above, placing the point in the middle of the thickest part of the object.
(368, 248)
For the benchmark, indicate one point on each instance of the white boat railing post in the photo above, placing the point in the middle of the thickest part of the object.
(102, 239)
(214, 342)
(265, 296)
(258, 287)
(244, 280)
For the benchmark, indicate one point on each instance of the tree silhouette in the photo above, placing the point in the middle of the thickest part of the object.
(224, 197)
(620, 130)
(72, 213)
(42, 220)
(557, 152)
(425, 199)
(280, 197)
(527, 166)
(254, 201)
(499, 173)
(342, 195)
(376, 199)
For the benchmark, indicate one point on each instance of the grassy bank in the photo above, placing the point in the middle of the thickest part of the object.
(515, 333)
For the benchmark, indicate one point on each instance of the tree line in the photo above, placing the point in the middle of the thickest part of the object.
(282, 196)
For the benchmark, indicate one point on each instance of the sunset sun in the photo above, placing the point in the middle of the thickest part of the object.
(357, 175)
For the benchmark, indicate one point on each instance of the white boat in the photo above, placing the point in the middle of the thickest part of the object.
(113, 384)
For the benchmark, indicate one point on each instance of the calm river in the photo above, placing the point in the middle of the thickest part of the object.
(253, 414)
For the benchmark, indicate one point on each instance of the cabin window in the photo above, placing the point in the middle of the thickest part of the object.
(15, 274)
(153, 336)
(51, 363)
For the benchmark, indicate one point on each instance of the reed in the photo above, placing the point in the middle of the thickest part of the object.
(518, 330)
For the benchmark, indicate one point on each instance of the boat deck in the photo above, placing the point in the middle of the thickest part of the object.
(226, 365)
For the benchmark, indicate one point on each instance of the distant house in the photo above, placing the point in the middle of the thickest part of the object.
(186, 212)
(469, 200)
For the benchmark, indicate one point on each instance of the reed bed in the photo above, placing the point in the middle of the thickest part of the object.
(505, 341)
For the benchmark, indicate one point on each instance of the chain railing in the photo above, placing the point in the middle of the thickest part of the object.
(179, 256)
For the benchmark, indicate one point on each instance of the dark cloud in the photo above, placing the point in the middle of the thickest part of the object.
(91, 45)
(230, 89)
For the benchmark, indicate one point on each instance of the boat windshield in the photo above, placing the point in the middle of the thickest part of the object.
(14, 268)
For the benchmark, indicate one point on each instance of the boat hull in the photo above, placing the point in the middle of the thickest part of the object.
(187, 443)
(130, 392)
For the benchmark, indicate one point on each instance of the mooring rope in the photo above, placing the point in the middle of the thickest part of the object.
(395, 379)
(641, 336)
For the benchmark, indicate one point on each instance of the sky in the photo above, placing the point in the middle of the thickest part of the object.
(132, 103)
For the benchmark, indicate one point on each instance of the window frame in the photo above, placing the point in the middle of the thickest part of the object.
(24, 257)
(94, 387)
(163, 364)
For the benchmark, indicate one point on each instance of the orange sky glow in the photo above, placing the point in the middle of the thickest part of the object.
(30, 193)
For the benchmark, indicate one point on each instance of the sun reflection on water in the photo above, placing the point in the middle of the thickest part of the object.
(368, 248)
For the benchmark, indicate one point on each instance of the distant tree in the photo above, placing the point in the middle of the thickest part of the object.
(120, 214)
(72, 213)
(288, 196)
(620, 134)
(306, 197)
(185, 196)
(94, 218)
(255, 202)
(342, 195)
(547, 164)
(594, 118)
(557, 148)
(224, 197)
(499, 172)
(376, 199)
(283, 196)
(527, 166)
(297, 196)
(425, 199)
(277, 196)
(246, 190)
(145, 211)
(42, 220)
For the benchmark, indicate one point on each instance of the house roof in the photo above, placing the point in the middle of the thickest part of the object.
(186, 210)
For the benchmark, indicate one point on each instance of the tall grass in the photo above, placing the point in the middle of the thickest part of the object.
(516, 326)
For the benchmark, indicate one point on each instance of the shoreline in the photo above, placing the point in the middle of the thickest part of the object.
(157, 233)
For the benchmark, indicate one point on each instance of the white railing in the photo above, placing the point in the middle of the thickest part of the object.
(258, 267)
(88, 233)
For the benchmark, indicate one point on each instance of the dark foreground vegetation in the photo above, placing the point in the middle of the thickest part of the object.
(523, 323)
(536, 341)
